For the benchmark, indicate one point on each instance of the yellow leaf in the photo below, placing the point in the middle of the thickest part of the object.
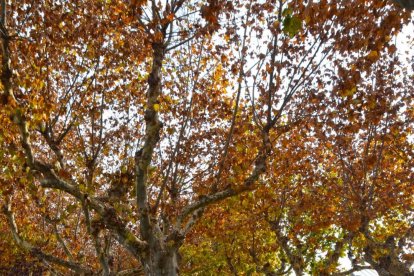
(349, 92)
(373, 55)
(170, 130)
(218, 72)
(156, 107)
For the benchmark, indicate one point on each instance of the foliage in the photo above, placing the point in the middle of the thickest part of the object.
(206, 137)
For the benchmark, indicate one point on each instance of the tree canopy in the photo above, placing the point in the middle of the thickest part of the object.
(206, 137)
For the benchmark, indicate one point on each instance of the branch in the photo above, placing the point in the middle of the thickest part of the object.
(236, 106)
(132, 271)
(47, 133)
(3, 13)
(94, 234)
(37, 252)
(180, 43)
(332, 258)
(173, 156)
(354, 269)
(248, 183)
(204, 201)
(143, 157)
(196, 215)
(296, 259)
(112, 222)
(7, 96)
(59, 238)
(49, 179)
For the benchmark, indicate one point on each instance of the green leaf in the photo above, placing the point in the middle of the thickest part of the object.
(292, 25)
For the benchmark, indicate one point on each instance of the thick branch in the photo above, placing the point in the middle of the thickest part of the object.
(152, 135)
(6, 75)
(354, 269)
(130, 272)
(204, 201)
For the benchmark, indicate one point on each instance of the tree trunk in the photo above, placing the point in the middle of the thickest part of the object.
(160, 262)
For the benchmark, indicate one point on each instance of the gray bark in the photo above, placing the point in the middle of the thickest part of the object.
(161, 262)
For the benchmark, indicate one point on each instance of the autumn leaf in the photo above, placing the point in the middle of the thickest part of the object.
(205, 129)
(292, 25)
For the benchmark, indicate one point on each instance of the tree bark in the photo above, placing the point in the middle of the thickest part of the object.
(161, 262)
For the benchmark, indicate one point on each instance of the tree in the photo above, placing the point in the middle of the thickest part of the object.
(122, 121)
(374, 169)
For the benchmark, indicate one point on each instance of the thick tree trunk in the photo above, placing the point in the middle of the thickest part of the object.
(161, 263)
